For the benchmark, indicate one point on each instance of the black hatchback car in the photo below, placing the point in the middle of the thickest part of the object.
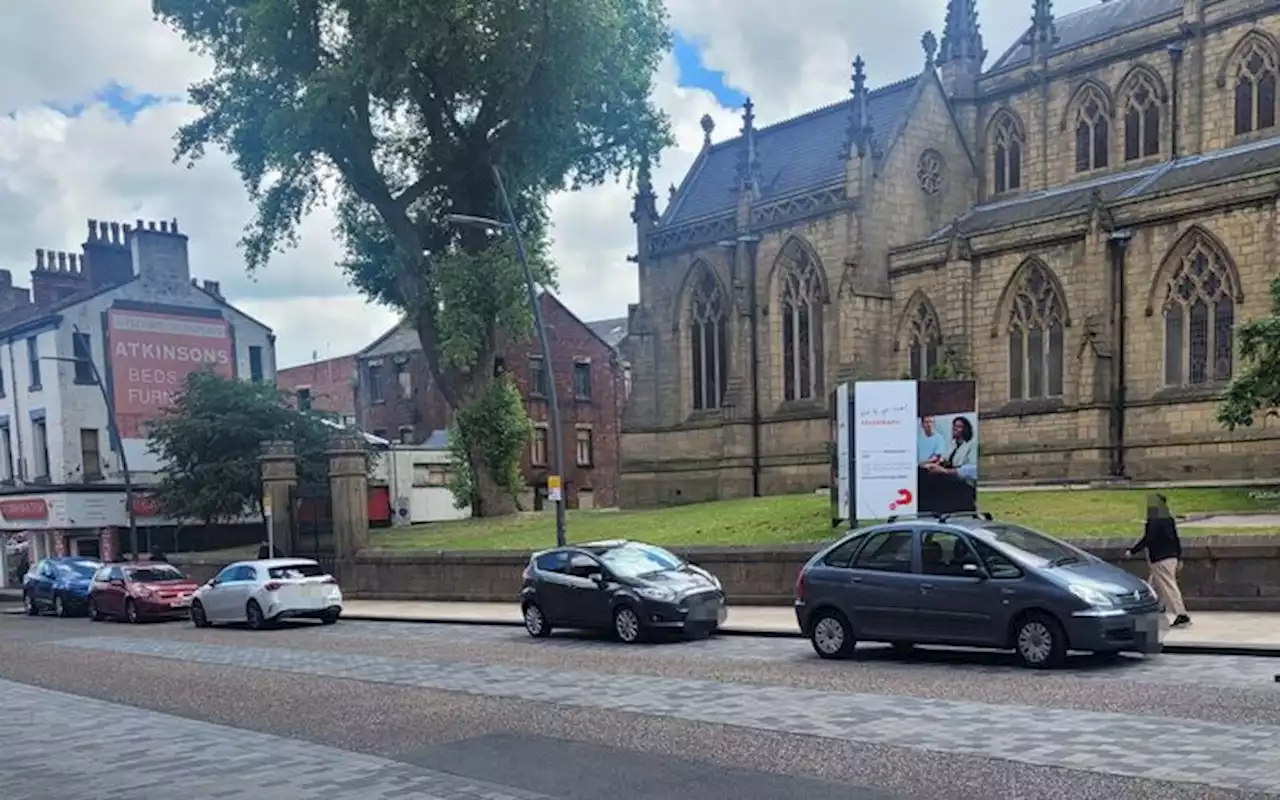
(630, 588)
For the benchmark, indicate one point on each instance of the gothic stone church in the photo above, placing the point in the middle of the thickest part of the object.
(1078, 226)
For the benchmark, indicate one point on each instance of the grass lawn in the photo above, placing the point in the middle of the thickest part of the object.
(806, 518)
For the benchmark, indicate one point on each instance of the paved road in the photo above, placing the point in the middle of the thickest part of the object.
(381, 710)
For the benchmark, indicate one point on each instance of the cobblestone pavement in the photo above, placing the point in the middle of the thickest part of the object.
(192, 759)
(1236, 757)
(446, 706)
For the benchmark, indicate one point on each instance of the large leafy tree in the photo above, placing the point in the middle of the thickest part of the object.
(210, 439)
(399, 110)
(1256, 387)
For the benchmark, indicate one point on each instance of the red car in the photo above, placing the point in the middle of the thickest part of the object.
(141, 590)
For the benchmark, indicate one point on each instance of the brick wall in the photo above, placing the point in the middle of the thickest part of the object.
(413, 405)
(330, 383)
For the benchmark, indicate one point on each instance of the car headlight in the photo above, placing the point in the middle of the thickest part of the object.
(1091, 596)
(656, 593)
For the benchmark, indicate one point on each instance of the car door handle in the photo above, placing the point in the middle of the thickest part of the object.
(1007, 591)
(855, 579)
(926, 587)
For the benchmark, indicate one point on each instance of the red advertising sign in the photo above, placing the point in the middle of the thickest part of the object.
(145, 506)
(29, 509)
(152, 354)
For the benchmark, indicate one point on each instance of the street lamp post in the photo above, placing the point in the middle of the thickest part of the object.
(557, 436)
(113, 433)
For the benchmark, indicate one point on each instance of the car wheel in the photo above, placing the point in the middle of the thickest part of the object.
(535, 622)
(198, 617)
(1040, 642)
(94, 613)
(29, 605)
(832, 635)
(60, 606)
(626, 624)
(254, 616)
(330, 616)
(131, 612)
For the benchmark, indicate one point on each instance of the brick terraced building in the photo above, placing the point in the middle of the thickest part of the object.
(396, 399)
(1079, 225)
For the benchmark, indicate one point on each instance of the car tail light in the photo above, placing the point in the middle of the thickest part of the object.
(274, 586)
(800, 585)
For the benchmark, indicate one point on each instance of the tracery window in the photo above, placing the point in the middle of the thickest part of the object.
(708, 341)
(924, 340)
(1142, 119)
(1255, 74)
(930, 171)
(1006, 148)
(1199, 318)
(1037, 320)
(1093, 131)
(802, 298)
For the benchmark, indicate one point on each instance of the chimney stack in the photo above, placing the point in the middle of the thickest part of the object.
(159, 256)
(214, 288)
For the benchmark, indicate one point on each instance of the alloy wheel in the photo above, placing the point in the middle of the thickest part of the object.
(253, 615)
(626, 624)
(829, 636)
(131, 612)
(533, 620)
(1035, 642)
(59, 607)
(198, 617)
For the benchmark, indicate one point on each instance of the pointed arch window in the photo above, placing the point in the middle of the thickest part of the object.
(924, 340)
(1256, 77)
(1037, 322)
(802, 298)
(1093, 131)
(1006, 148)
(708, 342)
(1142, 119)
(1199, 318)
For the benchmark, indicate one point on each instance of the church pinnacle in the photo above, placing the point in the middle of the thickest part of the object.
(962, 35)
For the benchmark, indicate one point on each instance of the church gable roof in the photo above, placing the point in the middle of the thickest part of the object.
(795, 155)
(1094, 22)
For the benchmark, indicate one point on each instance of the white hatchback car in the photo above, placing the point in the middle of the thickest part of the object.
(261, 593)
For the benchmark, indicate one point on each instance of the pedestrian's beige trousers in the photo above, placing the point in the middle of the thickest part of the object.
(1164, 579)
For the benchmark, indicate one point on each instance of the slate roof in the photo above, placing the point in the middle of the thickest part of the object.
(612, 331)
(1094, 22)
(795, 155)
(1188, 171)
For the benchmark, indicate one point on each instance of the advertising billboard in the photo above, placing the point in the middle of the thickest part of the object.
(153, 353)
(913, 448)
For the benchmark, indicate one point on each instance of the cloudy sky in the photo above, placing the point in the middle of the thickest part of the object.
(94, 90)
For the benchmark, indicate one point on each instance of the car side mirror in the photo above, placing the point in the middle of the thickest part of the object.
(597, 578)
(973, 571)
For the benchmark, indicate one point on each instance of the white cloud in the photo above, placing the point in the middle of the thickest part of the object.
(57, 171)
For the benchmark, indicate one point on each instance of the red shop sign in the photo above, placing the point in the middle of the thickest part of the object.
(145, 506)
(35, 508)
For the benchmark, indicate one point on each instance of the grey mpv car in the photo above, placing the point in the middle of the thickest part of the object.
(970, 580)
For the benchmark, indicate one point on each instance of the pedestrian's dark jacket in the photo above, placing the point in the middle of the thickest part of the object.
(1160, 540)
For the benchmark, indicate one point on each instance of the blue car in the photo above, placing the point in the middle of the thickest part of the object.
(60, 585)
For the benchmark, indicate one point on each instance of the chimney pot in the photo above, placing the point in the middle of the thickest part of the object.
(39, 258)
(62, 262)
(93, 229)
(115, 231)
(164, 226)
(139, 226)
(151, 226)
(173, 225)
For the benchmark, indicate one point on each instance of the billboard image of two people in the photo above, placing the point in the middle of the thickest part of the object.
(911, 448)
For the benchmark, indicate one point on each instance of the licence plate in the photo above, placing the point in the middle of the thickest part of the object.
(180, 603)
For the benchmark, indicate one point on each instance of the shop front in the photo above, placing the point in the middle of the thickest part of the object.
(36, 526)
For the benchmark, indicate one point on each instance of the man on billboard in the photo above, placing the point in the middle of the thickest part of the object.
(930, 446)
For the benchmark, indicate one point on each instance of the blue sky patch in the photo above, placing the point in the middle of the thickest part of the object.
(694, 74)
(121, 99)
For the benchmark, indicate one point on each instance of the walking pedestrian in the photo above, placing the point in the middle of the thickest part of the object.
(1164, 553)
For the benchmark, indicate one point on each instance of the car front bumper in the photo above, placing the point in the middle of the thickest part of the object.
(156, 608)
(1140, 633)
(692, 615)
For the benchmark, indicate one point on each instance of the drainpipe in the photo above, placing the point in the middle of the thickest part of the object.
(1175, 56)
(19, 460)
(1119, 243)
(752, 246)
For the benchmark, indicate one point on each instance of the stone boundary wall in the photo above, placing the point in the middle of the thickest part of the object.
(1221, 573)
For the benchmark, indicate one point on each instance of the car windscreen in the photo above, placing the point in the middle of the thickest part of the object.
(77, 569)
(295, 571)
(1033, 547)
(154, 574)
(634, 560)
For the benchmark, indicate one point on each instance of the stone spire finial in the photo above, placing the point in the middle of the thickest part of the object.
(860, 120)
(708, 127)
(929, 43)
(962, 35)
(749, 160)
(1044, 33)
(645, 206)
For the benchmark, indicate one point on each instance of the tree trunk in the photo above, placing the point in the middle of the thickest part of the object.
(492, 500)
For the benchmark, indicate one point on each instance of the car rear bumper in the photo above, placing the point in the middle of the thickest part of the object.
(308, 612)
(1130, 633)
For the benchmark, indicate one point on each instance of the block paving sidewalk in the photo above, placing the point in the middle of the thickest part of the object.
(1216, 632)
